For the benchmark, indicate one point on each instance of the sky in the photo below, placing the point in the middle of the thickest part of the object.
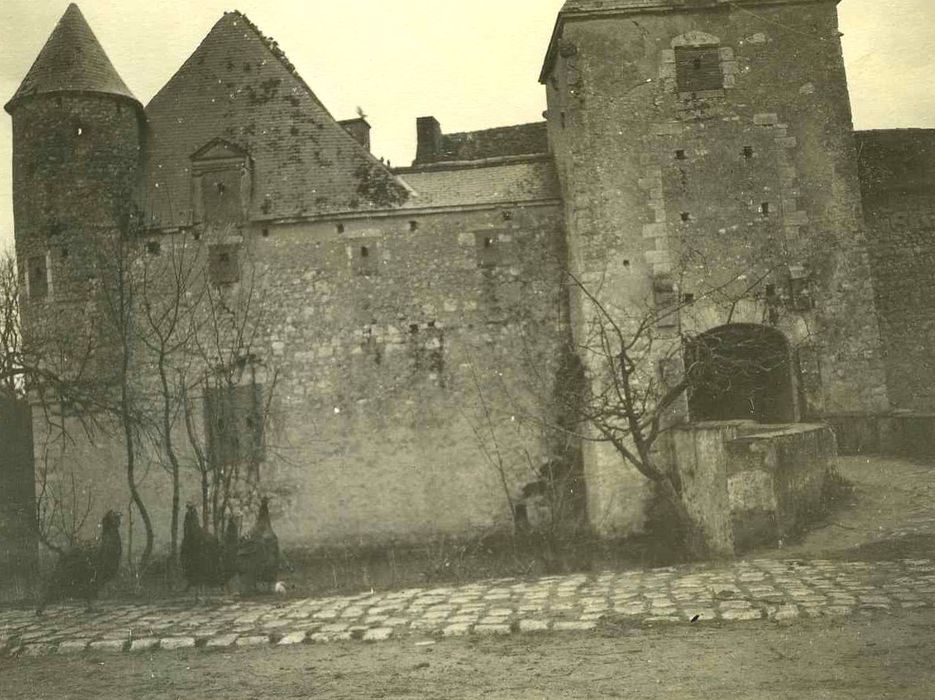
(472, 65)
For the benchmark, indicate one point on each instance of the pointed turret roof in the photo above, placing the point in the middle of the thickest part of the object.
(72, 60)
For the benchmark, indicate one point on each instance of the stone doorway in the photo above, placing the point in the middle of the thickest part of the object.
(741, 371)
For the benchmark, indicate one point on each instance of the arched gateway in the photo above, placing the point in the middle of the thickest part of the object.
(741, 371)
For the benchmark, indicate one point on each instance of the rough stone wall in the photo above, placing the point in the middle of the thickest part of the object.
(658, 184)
(383, 373)
(386, 369)
(775, 481)
(898, 181)
(18, 544)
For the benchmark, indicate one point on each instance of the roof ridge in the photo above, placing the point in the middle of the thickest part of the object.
(273, 47)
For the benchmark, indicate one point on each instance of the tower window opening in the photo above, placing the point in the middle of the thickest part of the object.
(64, 252)
(698, 69)
(38, 277)
(340, 228)
(221, 188)
(748, 152)
(364, 251)
(153, 247)
(680, 154)
(686, 216)
(764, 208)
(413, 225)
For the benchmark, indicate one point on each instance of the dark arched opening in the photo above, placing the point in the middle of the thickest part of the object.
(740, 371)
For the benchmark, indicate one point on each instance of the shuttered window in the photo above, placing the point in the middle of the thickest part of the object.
(234, 422)
(224, 263)
(698, 68)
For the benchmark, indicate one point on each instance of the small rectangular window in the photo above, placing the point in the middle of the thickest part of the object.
(488, 248)
(153, 247)
(748, 152)
(686, 216)
(698, 68)
(680, 154)
(764, 208)
(234, 422)
(366, 259)
(224, 263)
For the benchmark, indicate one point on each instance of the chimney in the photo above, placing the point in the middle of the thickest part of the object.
(429, 133)
(358, 128)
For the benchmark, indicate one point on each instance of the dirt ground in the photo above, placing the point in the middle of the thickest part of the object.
(877, 522)
(878, 656)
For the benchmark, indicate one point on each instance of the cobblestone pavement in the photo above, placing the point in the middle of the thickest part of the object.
(751, 590)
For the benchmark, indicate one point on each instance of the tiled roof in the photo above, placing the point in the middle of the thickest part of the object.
(528, 180)
(238, 86)
(523, 139)
(72, 60)
(896, 161)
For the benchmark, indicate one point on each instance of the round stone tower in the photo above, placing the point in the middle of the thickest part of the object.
(76, 156)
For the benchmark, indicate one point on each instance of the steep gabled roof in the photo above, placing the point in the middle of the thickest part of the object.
(239, 87)
(72, 60)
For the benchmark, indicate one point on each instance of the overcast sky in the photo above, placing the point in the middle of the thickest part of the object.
(472, 65)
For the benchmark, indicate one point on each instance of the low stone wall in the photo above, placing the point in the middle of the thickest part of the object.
(775, 480)
(901, 434)
(749, 484)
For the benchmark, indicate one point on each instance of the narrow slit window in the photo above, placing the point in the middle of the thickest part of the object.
(764, 208)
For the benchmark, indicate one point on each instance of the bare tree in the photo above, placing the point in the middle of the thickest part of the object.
(118, 265)
(236, 380)
(639, 368)
(171, 292)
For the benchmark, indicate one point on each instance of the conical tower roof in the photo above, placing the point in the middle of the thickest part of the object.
(72, 60)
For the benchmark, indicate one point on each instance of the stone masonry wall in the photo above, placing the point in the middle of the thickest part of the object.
(401, 376)
(754, 182)
(898, 182)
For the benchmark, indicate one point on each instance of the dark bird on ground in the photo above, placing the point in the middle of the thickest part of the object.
(258, 558)
(206, 562)
(82, 570)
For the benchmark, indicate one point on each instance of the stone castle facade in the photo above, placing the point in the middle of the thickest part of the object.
(410, 317)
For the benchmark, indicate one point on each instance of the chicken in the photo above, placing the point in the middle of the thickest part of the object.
(82, 570)
(205, 561)
(258, 558)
